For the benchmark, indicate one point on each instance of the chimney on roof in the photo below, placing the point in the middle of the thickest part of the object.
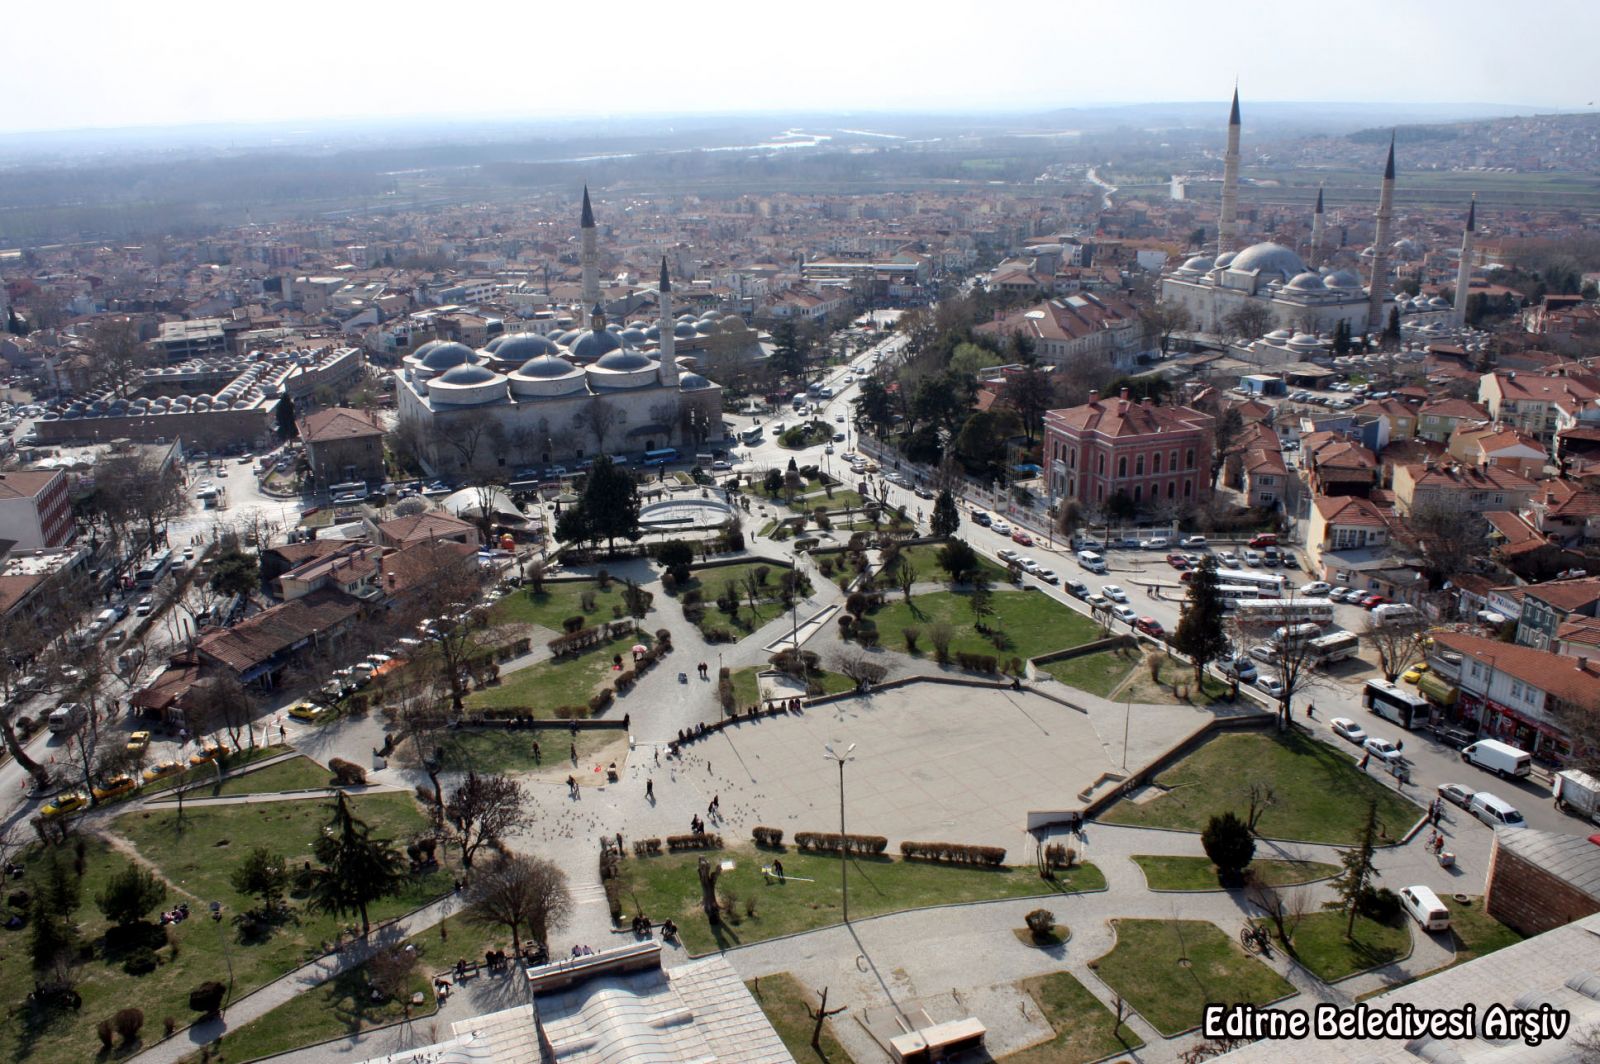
(1124, 393)
(1094, 395)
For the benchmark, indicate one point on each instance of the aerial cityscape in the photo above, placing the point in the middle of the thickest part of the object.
(1123, 536)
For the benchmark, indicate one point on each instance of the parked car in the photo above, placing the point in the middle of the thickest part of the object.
(1029, 565)
(1177, 561)
(1154, 543)
(1252, 558)
(114, 786)
(162, 771)
(1150, 626)
(145, 605)
(1270, 684)
(138, 741)
(1347, 729)
(1076, 588)
(307, 711)
(1495, 811)
(922, 492)
(981, 517)
(205, 754)
(1005, 554)
(1371, 601)
(1229, 559)
(1000, 527)
(1265, 653)
(1113, 592)
(1382, 749)
(1240, 668)
(1457, 794)
(61, 804)
(1413, 674)
(1098, 601)
(1193, 542)
(1315, 589)
(1048, 576)
(1124, 614)
(1019, 536)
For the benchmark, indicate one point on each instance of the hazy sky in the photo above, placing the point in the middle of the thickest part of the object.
(114, 63)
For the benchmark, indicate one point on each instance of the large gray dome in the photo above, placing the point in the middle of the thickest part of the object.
(684, 330)
(524, 346)
(1342, 279)
(422, 351)
(447, 355)
(1268, 258)
(591, 345)
(546, 367)
(1306, 282)
(624, 361)
(467, 375)
(691, 382)
(633, 337)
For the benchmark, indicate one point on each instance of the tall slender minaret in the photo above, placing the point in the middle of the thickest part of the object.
(1228, 223)
(669, 343)
(590, 253)
(1378, 289)
(1464, 270)
(1316, 233)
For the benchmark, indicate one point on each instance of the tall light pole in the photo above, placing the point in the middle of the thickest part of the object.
(844, 852)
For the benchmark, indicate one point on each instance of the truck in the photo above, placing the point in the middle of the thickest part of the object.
(1577, 793)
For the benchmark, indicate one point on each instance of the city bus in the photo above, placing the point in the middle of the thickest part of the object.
(354, 487)
(1231, 596)
(1393, 704)
(1264, 583)
(152, 571)
(1286, 611)
(1334, 647)
(661, 456)
(753, 435)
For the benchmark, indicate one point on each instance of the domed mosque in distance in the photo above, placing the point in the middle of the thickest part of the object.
(570, 397)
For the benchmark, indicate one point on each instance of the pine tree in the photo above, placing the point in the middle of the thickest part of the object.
(610, 503)
(287, 429)
(945, 518)
(1355, 881)
(357, 869)
(1200, 634)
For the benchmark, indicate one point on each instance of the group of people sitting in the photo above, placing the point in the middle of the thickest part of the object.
(641, 925)
(175, 916)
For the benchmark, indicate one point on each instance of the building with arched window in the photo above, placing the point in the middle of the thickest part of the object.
(1159, 454)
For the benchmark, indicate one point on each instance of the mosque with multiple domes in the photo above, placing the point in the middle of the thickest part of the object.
(1308, 300)
(527, 400)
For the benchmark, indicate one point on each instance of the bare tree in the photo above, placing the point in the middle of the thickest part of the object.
(450, 591)
(1399, 642)
(483, 811)
(1162, 320)
(598, 417)
(518, 893)
(463, 436)
(1261, 797)
(818, 1016)
(859, 666)
(392, 968)
(1448, 539)
(117, 357)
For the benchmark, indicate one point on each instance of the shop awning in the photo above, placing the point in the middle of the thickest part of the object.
(1437, 690)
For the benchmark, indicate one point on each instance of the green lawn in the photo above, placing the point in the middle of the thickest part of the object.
(1084, 1028)
(340, 1008)
(1169, 970)
(710, 580)
(746, 689)
(711, 583)
(295, 774)
(502, 750)
(1032, 623)
(1476, 933)
(1174, 675)
(1198, 873)
(1098, 673)
(1321, 795)
(196, 865)
(925, 558)
(1320, 945)
(568, 682)
(208, 773)
(784, 1001)
(557, 602)
(668, 886)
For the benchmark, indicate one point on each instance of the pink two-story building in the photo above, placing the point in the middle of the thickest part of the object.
(1148, 452)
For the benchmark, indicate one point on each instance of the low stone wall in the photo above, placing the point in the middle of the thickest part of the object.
(1113, 643)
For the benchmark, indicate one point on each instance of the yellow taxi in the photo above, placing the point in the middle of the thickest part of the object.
(1413, 674)
(162, 771)
(206, 753)
(307, 711)
(114, 786)
(138, 742)
(65, 803)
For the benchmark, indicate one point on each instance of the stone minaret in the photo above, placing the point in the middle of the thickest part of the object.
(1378, 289)
(1228, 223)
(1464, 271)
(1316, 233)
(590, 253)
(669, 343)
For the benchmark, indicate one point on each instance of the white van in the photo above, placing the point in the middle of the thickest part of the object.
(1091, 561)
(1496, 812)
(1295, 633)
(1502, 759)
(67, 717)
(1425, 907)
(1395, 613)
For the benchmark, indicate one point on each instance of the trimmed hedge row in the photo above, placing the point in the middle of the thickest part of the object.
(647, 847)
(954, 853)
(772, 837)
(977, 662)
(704, 841)
(833, 842)
(589, 637)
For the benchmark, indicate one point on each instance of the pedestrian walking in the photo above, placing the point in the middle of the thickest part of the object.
(1311, 710)
(1364, 759)
(658, 755)
(538, 755)
(574, 753)
(650, 790)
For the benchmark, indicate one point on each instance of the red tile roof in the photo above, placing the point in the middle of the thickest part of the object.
(338, 423)
(1125, 417)
(1554, 674)
(274, 630)
(1349, 510)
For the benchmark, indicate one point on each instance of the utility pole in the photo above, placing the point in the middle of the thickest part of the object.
(844, 852)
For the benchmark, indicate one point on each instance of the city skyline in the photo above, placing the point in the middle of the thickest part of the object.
(122, 68)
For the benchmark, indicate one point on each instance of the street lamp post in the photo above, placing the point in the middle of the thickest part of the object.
(844, 851)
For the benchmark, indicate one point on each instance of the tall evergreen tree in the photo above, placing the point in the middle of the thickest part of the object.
(1200, 634)
(610, 503)
(287, 429)
(945, 518)
(357, 869)
(1355, 881)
